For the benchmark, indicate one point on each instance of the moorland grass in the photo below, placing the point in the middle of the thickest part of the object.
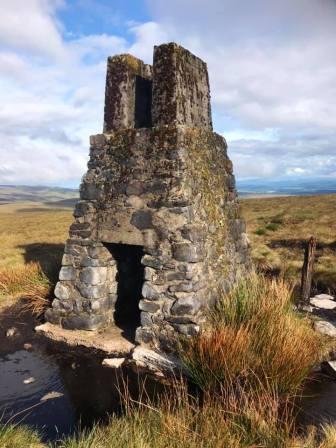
(279, 228)
(248, 363)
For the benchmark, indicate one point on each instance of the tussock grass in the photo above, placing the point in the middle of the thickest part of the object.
(29, 283)
(255, 337)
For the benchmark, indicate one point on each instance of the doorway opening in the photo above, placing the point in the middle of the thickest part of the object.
(130, 278)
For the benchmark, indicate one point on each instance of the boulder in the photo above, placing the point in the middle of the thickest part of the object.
(326, 328)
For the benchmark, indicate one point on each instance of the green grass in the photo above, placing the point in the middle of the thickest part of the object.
(14, 436)
(279, 228)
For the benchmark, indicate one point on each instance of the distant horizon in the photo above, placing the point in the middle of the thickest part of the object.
(284, 185)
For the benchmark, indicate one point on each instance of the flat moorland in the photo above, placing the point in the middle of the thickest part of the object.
(279, 228)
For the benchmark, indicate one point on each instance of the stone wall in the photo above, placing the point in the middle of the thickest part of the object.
(169, 189)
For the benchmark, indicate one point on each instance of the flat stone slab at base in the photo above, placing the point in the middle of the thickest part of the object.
(110, 341)
(157, 363)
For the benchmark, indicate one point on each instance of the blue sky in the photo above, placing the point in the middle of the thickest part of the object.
(271, 64)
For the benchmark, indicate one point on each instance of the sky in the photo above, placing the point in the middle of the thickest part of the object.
(272, 69)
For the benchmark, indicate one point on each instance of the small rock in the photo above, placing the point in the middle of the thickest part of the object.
(115, 363)
(27, 346)
(51, 396)
(11, 332)
(324, 296)
(329, 368)
(29, 380)
(326, 328)
(323, 301)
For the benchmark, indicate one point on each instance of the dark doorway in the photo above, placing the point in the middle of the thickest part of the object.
(143, 102)
(130, 277)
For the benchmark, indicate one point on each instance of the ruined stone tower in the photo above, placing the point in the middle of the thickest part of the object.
(157, 229)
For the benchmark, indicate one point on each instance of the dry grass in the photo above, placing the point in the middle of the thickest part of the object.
(257, 338)
(279, 228)
(29, 283)
(32, 241)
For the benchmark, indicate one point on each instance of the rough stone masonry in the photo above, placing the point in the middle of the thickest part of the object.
(157, 230)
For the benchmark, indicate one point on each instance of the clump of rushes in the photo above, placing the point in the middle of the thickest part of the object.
(14, 436)
(28, 282)
(255, 337)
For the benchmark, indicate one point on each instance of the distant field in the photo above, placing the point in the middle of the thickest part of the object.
(278, 229)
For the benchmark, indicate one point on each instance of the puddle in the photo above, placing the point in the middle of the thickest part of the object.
(86, 391)
(318, 403)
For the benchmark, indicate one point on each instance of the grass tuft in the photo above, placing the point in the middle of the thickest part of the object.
(28, 282)
(255, 337)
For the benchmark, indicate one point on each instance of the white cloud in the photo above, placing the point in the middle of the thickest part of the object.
(272, 74)
(31, 25)
(272, 67)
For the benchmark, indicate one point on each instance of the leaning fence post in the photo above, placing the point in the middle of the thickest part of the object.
(307, 269)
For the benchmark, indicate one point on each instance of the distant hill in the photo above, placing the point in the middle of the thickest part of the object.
(67, 197)
(286, 186)
(51, 196)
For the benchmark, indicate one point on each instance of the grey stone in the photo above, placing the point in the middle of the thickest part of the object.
(91, 292)
(62, 291)
(186, 252)
(151, 307)
(88, 322)
(134, 188)
(149, 292)
(67, 260)
(326, 328)
(93, 262)
(152, 262)
(187, 329)
(145, 318)
(89, 191)
(186, 305)
(181, 287)
(142, 219)
(67, 273)
(93, 275)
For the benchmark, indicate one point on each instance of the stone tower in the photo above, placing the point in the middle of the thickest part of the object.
(157, 229)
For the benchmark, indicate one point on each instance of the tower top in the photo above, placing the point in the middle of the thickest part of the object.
(175, 90)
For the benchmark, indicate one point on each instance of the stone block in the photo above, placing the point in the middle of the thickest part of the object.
(145, 318)
(91, 292)
(149, 306)
(142, 219)
(93, 275)
(186, 305)
(62, 291)
(187, 252)
(90, 322)
(149, 292)
(67, 273)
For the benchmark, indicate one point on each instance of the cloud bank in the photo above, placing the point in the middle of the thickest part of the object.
(272, 72)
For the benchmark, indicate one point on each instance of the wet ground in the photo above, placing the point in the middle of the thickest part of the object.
(54, 390)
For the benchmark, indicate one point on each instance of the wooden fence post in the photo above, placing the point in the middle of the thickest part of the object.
(307, 269)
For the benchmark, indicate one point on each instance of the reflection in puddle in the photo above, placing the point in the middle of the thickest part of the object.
(83, 390)
(318, 404)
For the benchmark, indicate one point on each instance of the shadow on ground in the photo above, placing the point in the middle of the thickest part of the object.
(48, 255)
